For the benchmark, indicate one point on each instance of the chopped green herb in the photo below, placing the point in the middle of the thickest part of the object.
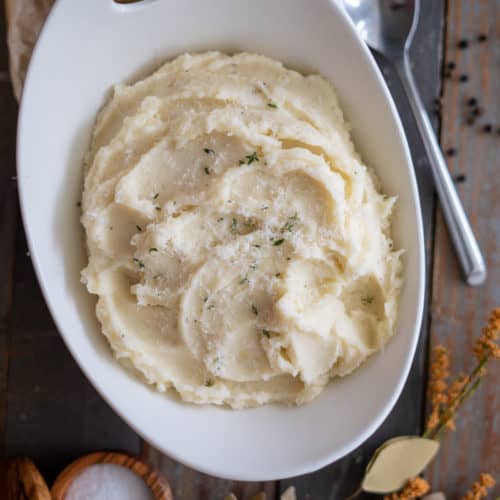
(158, 208)
(78, 203)
(210, 306)
(271, 105)
(290, 223)
(277, 243)
(220, 219)
(266, 333)
(255, 310)
(234, 226)
(288, 258)
(139, 228)
(251, 158)
(156, 196)
(244, 280)
(368, 299)
(278, 275)
(256, 246)
(209, 151)
(205, 299)
(209, 383)
(207, 171)
(139, 262)
(153, 249)
(253, 267)
(265, 207)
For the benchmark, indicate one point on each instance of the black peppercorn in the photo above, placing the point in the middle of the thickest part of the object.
(472, 101)
(488, 128)
(463, 44)
(463, 78)
(451, 65)
(482, 37)
(451, 151)
(436, 106)
(395, 5)
(460, 178)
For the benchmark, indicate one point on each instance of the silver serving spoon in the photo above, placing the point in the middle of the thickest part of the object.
(388, 26)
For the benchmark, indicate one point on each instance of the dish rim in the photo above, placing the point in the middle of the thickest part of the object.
(377, 420)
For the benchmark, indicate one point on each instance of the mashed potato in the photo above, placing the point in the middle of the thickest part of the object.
(239, 249)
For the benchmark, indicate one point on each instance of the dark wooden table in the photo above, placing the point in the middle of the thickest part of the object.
(49, 412)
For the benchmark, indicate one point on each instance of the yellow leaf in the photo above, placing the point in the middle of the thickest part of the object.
(289, 494)
(396, 461)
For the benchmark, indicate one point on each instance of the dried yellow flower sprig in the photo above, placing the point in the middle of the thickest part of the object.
(414, 488)
(446, 399)
(480, 488)
(486, 345)
(454, 392)
(438, 384)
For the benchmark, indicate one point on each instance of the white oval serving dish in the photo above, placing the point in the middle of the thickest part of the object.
(85, 47)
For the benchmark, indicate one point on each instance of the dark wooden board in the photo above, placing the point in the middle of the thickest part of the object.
(8, 216)
(187, 483)
(459, 312)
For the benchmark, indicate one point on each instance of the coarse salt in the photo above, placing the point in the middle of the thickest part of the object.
(108, 482)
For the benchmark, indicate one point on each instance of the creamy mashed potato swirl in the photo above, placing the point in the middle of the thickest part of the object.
(239, 248)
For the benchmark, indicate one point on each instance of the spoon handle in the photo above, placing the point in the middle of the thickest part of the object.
(466, 245)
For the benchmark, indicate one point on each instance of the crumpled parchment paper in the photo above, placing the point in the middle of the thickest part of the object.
(25, 19)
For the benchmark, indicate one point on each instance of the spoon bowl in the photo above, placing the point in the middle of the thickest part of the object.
(387, 26)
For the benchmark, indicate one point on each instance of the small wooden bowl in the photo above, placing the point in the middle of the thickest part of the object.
(158, 486)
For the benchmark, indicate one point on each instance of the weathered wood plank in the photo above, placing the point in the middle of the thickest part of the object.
(8, 216)
(8, 195)
(188, 484)
(458, 312)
